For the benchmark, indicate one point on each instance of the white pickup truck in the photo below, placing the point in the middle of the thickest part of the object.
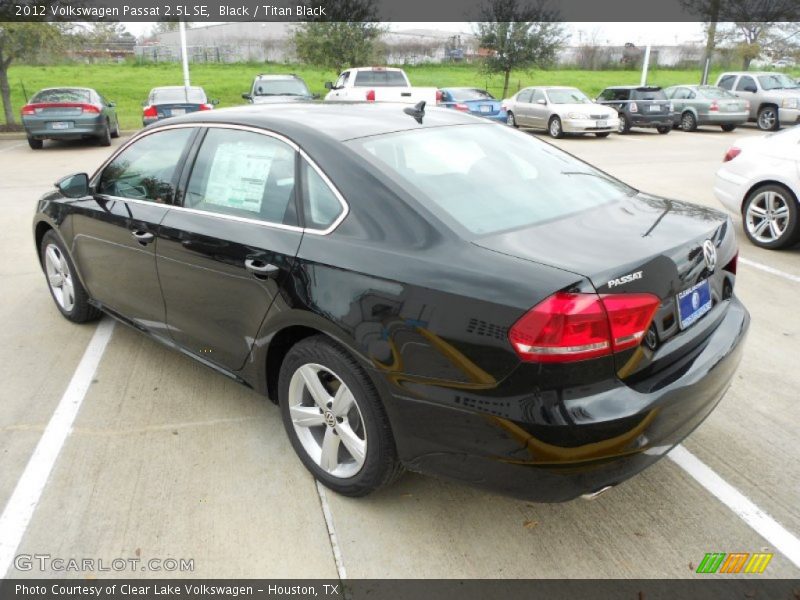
(378, 84)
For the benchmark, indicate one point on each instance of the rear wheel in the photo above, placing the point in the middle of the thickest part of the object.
(554, 128)
(770, 217)
(728, 127)
(624, 124)
(768, 119)
(104, 139)
(35, 144)
(65, 287)
(510, 120)
(115, 131)
(603, 134)
(688, 121)
(664, 129)
(334, 418)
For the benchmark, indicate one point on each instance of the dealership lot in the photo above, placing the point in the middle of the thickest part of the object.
(169, 460)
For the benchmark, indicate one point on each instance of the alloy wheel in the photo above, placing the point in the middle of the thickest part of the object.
(767, 119)
(59, 277)
(767, 217)
(327, 420)
(555, 128)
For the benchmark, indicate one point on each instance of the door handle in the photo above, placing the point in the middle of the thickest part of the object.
(143, 237)
(260, 269)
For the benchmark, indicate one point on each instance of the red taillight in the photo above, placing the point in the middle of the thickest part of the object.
(634, 107)
(732, 264)
(371, 96)
(461, 106)
(732, 153)
(31, 109)
(150, 111)
(91, 108)
(439, 96)
(206, 106)
(570, 327)
(28, 109)
(714, 106)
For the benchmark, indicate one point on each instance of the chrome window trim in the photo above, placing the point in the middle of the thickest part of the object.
(342, 215)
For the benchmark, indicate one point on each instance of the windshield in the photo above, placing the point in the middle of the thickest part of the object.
(485, 178)
(715, 93)
(649, 95)
(777, 81)
(62, 95)
(280, 87)
(177, 96)
(570, 96)
(465, 95)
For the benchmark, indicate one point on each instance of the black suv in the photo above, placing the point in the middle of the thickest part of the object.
(639, 106)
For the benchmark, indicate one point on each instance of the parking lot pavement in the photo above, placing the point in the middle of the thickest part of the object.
(170, 460)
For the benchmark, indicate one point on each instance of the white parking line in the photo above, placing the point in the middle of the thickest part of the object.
(326, 512)
(766, 269)
(19, 510)
(767, 527)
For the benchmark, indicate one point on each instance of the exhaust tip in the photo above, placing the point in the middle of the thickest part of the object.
(595, 494)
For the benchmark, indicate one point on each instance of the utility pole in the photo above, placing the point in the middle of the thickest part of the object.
(185, 59)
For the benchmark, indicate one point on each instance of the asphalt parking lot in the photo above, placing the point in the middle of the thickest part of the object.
(167, 459)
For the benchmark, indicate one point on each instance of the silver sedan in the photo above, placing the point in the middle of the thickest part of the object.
(559, 110)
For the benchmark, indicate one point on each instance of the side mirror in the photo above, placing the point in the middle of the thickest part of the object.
(541, 101)
(74, 186)
(112, 104)
(750, 88)
(247, 96)
(328, 85)
(214, 102)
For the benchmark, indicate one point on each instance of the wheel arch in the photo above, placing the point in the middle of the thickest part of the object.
(764, 183)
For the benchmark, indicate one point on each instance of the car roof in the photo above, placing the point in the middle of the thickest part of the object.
(66, 87)
(338, 120)
(277, 76)
(751, 73)
(640, 88)
(175, 87)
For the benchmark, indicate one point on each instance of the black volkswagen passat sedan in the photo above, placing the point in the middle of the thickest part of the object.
(418, 289)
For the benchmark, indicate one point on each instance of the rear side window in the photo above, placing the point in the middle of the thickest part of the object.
(321, 206)
(380, 79)
(726, 83)
(147, 169)
(525, 96)
(744, 83)
(62, 95)
(681, 94)
(244, 174)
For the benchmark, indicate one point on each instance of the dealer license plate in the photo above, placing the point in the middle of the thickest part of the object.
(59, 125)
(694, 303)
(655, 107)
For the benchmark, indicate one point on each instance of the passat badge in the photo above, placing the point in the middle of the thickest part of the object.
(710, 255)
(625, 279)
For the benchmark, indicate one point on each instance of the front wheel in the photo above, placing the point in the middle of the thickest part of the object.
(555, 129)
(770, 217)
(334, 418)
(664, 129)
(728, 127)
(65, 287)
(768, 119)
(510, 120)
(115, 131)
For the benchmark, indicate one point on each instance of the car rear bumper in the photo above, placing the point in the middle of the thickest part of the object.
(41, 128)
(729, 189)
(652, 121)
(500, 116)
(589, 125)
(555, 445)
(734, 118)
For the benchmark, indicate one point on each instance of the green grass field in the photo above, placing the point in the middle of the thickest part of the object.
(128, 84)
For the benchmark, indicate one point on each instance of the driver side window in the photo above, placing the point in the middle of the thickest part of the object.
(147, 169)
(340, 83)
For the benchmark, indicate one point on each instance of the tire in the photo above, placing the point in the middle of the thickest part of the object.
(115, 131)
(511, 121)
(603, 134)
(688, 121)
(770, 217)
(555, 129)
(664, 129)
(35, 144)
(373, 462)
(63, 282)
(728, 127)
(104, 139)
(624, 125)
(768, 119)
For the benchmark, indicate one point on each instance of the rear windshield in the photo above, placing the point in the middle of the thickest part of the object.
(572, 96)
(62, 95)
(177, 95)
(465, 95)
(649, 95)
(380, 79)
(485, 178)
(280, 87)
(715, 92)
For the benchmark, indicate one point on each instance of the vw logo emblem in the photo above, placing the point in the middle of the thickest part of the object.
(710, 255)
(330, 419)
(696, 300)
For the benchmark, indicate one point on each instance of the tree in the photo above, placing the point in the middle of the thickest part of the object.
(20, 40)
(107, 31)
(519, 35)
(344, 37)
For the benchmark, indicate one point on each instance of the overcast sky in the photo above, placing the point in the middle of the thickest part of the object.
(604, 33)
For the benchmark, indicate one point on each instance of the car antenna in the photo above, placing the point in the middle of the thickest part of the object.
(417, 111)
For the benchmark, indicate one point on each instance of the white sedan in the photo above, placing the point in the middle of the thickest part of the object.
(760, 179)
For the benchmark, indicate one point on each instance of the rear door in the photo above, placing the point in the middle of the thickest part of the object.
(522, 108)
(229, 249)
(539, 111)
(116, 230)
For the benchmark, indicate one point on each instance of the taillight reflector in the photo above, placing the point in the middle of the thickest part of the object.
(206, 106)
(634, 107)
(714, 106)
(732, 264)
(439, 96)
(32, 109)
(570, 327)
(460, 106)
(732, 153)
(150, 111)
(371, 96)
(28, 109)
